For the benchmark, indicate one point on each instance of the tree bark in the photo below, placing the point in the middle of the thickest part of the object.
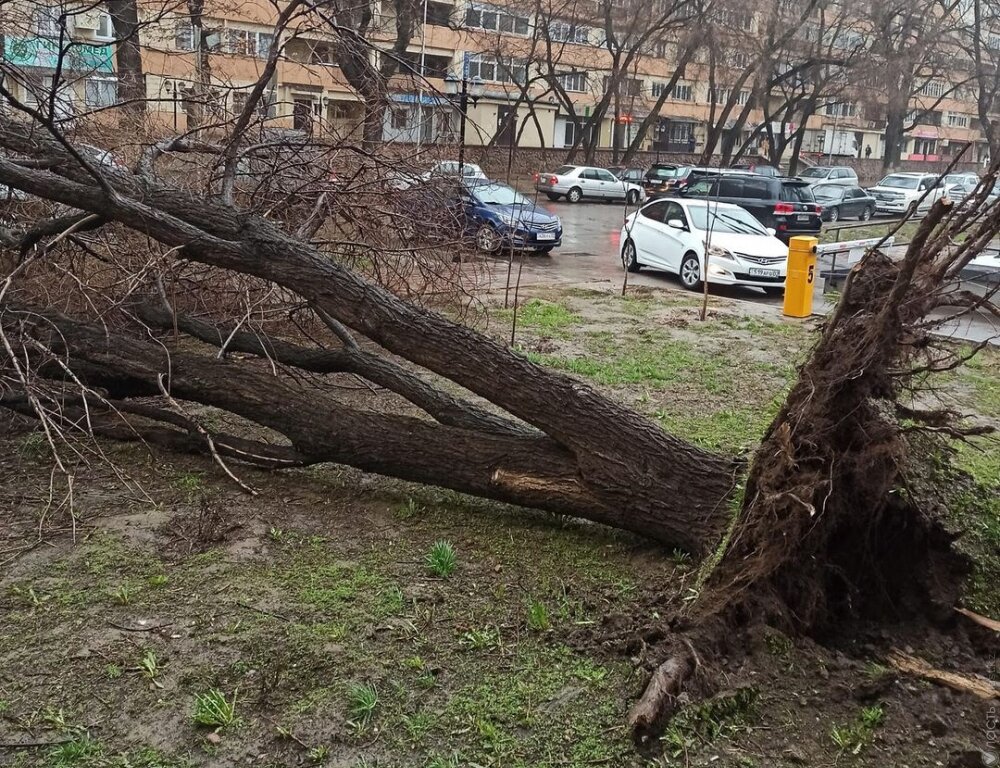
(528, 469)
(128, 57)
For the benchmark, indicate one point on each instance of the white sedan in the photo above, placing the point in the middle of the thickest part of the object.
(676, 235)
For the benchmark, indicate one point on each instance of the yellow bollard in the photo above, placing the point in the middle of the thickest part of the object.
(801, 275)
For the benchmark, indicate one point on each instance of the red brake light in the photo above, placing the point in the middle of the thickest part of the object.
(818, 208)
(534, 176)
(553, 180)
(784, 208)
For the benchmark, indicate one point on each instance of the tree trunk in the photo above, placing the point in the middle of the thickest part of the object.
(128, 57)
(894, 136)
(641, 477)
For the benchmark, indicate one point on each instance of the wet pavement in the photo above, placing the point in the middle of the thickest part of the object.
(589, 258)
(589, 254)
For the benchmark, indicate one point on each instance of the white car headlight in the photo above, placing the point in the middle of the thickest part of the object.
(511, 219)
(715, 251)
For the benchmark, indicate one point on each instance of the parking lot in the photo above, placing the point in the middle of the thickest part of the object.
(590, 253)
(589, 257)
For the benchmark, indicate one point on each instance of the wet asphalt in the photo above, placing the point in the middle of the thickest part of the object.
(589, 257)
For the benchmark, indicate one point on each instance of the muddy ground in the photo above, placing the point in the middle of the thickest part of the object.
(314, 629)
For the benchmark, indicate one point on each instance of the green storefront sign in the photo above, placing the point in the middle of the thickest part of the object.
(44, 53)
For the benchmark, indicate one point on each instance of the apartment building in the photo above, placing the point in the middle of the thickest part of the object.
(509, 55)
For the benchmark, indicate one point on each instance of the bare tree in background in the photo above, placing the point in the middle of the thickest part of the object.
(627, 33)
(982, 42)
(909, 50)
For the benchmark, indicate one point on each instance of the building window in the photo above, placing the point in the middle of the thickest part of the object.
(569, 133)
(565, 32)
(841, 109)
(184, 36)
(656, 89)
(243, 42)
(105, 29)
(49, 21)
(721, 96)
(737, 59)
(736, 19)
(958, 121)
(322, 53)
(101, 92)
(934, 89)
(496, 20)
(400, 118)
(493, 70)
(682, 92)
(626, 86)
(993, 42)
(574, 81)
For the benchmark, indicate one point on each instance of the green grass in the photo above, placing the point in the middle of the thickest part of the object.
(854, 737)
(651, 358)
(362, 701)
(546, 315)
(442, 560)
(700, 725)
(213, 709)
(874, 228)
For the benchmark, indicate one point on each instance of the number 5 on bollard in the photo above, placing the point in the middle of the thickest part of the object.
(801, 274)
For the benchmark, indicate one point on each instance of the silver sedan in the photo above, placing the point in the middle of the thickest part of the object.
(576, 182)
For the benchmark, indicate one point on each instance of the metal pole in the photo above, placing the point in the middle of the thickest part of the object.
(463, 106)
(423, 74)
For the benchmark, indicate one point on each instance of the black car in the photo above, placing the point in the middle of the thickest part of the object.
(785, 205)
(841, 202)
(672, 180)
(633, 175)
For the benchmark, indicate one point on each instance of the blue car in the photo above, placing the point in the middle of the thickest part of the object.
(499, 217)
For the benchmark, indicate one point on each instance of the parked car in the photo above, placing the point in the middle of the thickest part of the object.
(900, 193)
(960, 190)
(491, 215)
(633, 175)
(830, 174)
(665, 180)
(672, 234)
(760, 169)
(786, 205)
(450, 168)
(575, 182)
(840, 202)
(952, 179)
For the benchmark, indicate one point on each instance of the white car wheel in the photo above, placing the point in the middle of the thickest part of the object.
(690, 272)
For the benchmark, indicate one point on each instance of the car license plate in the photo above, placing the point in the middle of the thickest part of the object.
(545, 236)
(802, 217)
(758, 272)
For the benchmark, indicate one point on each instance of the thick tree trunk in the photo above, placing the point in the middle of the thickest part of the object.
(894, 136)
(128, 57)
(530, 469)
(643, 478)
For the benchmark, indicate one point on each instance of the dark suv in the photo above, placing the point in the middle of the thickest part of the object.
(672, 180)
(786, 205)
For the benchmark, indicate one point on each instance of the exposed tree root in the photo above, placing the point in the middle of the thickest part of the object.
(824, 537)
(911, 665)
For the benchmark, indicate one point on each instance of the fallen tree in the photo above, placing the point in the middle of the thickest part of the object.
(126, 354)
